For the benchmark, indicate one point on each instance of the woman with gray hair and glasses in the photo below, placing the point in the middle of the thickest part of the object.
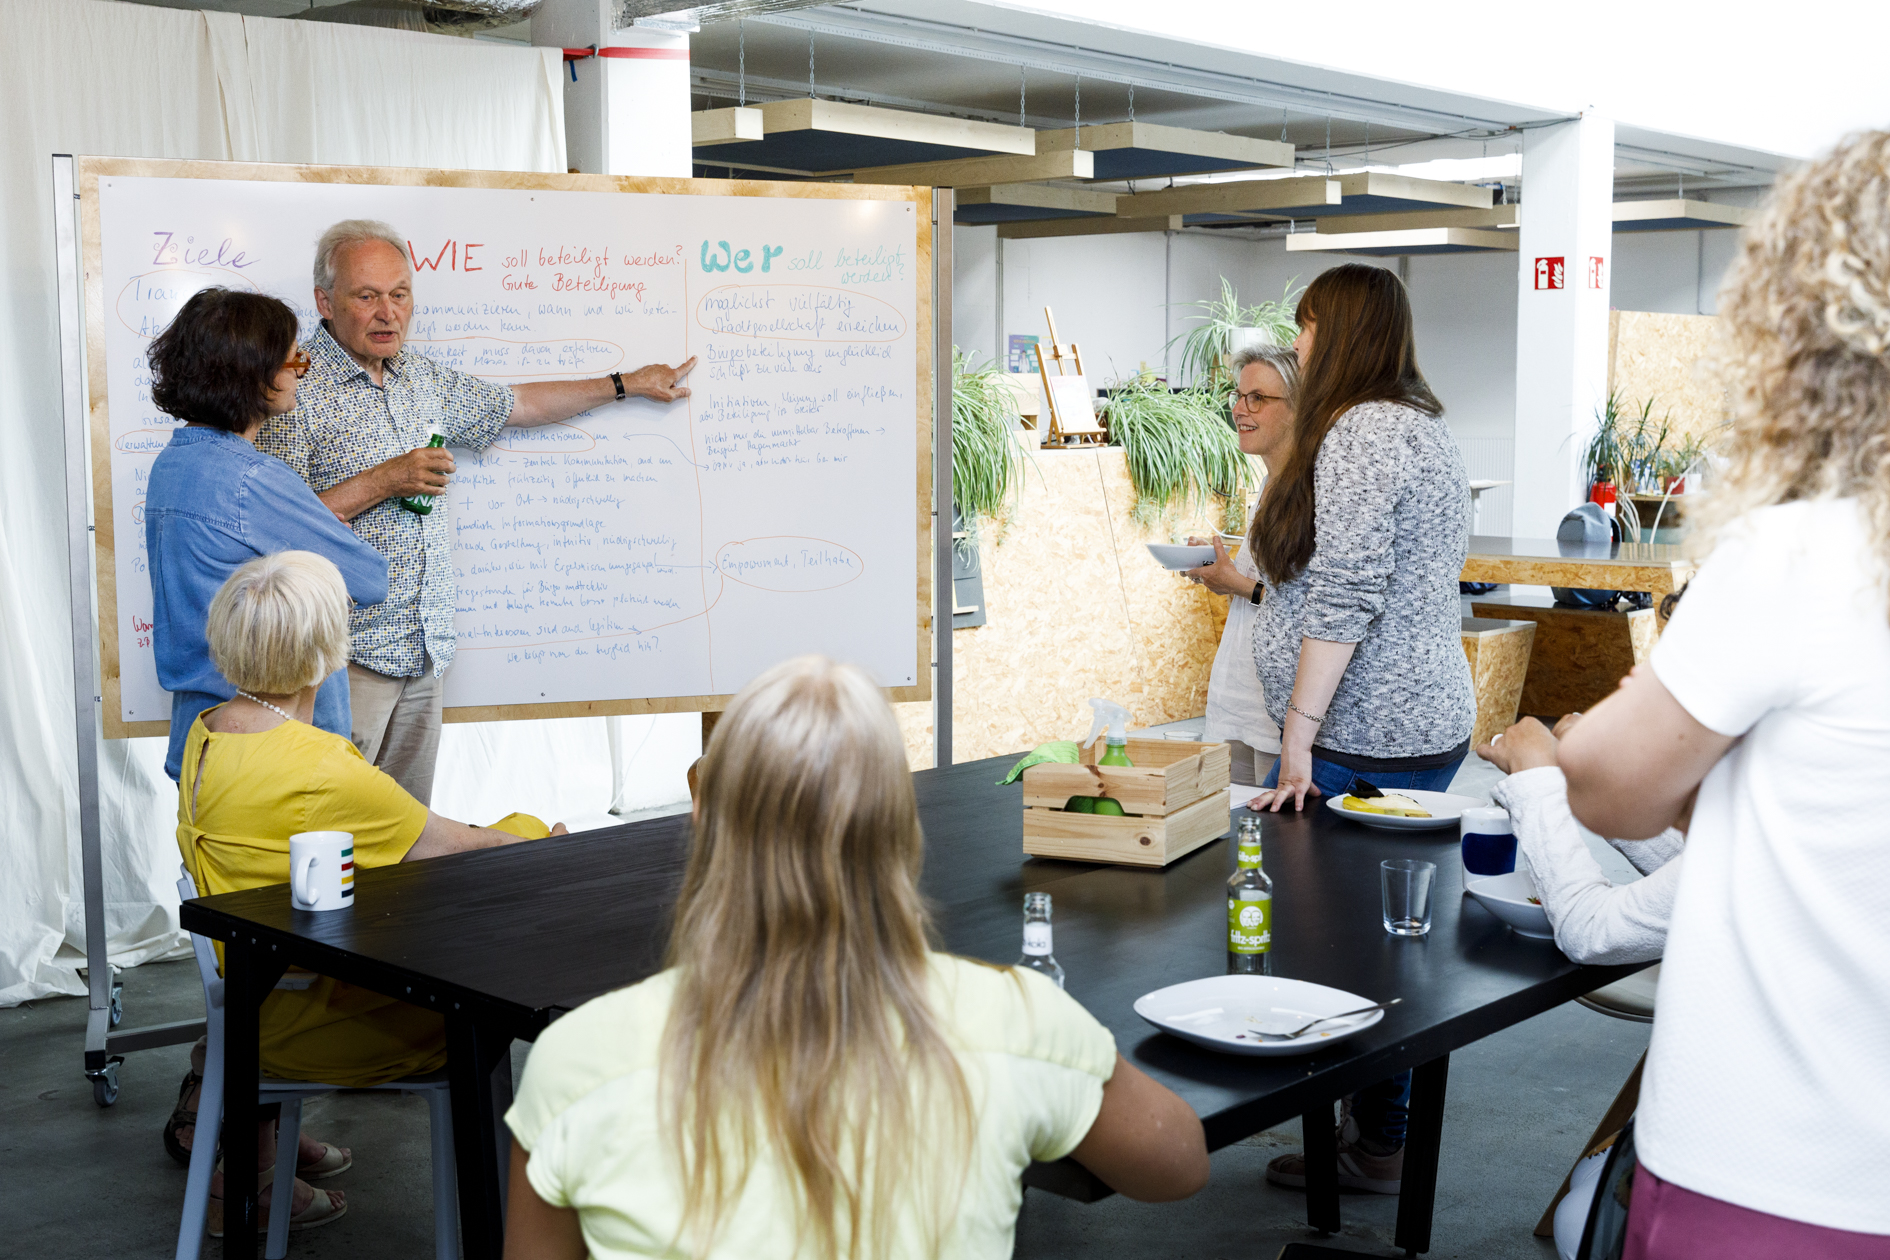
(1267, 378)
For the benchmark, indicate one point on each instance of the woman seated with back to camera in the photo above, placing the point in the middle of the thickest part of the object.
(255, 772)
(808, 1076)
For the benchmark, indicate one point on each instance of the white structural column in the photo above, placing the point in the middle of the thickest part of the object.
(626, 110)
(1561, 314)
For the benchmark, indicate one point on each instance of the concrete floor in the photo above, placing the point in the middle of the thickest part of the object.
(77, 1181)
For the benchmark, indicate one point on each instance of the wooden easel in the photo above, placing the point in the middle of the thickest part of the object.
(1067, 426)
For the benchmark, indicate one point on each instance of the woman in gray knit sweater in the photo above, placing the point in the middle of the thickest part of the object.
(1360, 541)
(1360, 546)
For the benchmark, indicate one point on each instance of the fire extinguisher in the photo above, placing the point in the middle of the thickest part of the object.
(1602, 493)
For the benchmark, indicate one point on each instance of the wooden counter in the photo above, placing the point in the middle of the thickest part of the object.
(1661, 568)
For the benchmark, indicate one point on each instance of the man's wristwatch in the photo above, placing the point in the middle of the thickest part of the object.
(1254, 598)
(616, 378)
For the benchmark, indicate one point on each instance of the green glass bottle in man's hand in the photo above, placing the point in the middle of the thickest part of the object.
(421, 504)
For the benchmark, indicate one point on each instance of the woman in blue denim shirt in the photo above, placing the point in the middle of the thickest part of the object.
(227, 363)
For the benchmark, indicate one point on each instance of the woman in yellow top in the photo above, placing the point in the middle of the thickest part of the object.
(255, 772)
(808, 1077)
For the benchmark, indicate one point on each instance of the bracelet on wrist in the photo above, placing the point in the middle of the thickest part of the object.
(1309, 717)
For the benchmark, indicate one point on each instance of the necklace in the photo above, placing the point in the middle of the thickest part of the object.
(265, 704)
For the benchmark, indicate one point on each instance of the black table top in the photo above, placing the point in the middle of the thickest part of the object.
(520, 934)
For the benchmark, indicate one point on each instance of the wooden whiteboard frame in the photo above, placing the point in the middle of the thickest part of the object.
(89, 169)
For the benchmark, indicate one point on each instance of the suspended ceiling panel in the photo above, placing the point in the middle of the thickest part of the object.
(1444, 240)
(1002, 168)
(1492, 217)
(1365, 192)
(1677, 216)
(1143, 150)
(1094, 226)
(820, 136)
(1019, 203)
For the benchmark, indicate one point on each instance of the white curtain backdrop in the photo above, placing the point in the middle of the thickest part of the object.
(126, 80)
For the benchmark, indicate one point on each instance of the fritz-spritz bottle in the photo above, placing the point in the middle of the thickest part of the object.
(1249, 908)
(421, 504)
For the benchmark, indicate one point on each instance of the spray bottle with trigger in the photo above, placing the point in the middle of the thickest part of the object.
(1114, 718)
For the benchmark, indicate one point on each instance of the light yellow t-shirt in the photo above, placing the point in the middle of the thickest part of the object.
(587, 1113)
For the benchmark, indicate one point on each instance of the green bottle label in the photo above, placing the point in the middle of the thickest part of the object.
(1249, 926)
(1247, 856)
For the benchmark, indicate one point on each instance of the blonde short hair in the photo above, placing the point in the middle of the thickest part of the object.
(280, 623)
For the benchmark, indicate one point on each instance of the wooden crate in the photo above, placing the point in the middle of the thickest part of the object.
(1174, 800)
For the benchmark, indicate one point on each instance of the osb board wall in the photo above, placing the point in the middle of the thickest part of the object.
(1077, 608)
(1667, 358)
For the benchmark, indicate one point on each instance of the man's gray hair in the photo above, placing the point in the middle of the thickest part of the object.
(350, 232)
(1280, 358)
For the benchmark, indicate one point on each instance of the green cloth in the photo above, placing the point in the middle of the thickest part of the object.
(1061, 750)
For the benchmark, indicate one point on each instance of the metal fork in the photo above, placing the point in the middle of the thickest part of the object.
(1303, 1029)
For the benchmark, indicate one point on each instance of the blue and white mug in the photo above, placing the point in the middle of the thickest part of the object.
(1489, 842)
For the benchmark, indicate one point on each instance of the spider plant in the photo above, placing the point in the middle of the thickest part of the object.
(987, 461)
(1204, 348)
(1182, 454)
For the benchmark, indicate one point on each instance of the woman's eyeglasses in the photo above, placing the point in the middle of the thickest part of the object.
(299, 363)
(1255, 400)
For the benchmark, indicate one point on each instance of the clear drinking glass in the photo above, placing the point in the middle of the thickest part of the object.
(1406, 885)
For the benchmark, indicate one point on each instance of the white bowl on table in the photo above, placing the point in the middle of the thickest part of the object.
(1179, 556)
(1508, 898)
(1445, 810)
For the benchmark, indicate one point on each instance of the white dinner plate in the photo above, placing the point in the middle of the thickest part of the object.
(1446, 808)
(1224, 1012)
(1179, 556)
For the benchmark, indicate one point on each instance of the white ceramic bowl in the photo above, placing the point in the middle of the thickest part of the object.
(1507, 897)
(1446, 808)
(1178, 556)
(1222, 1013)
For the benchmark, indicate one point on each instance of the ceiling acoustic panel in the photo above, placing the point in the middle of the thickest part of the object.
(1139, 150)
(830, 137)
(1441, 240)
(1025, 203)
(1305, 197)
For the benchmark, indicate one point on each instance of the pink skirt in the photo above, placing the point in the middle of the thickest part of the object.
(1668, 1222)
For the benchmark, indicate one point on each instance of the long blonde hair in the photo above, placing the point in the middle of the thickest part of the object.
(1806, 315)
(800, 1021)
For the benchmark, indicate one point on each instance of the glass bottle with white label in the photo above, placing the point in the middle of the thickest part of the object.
(1037, 955)
(1249, 908)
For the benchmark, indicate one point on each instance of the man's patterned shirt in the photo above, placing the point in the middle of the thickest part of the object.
(343, 425)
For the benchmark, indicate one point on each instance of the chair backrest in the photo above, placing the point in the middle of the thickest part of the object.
(200, 946)
(1605, 1235)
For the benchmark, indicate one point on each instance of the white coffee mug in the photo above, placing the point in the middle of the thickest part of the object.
(321, 870)
(1488, 842)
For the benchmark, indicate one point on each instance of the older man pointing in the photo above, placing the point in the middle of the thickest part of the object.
(359, 436)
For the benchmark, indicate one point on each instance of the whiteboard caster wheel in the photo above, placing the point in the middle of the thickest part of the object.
(118, 1004)
(105, 1082)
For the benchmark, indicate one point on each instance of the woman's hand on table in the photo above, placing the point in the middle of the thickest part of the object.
(1220, 576)
(1295, 781)
(1528, 745)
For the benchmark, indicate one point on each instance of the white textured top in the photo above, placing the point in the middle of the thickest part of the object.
(1594, 920)
(1775, 990)
(1236, 703)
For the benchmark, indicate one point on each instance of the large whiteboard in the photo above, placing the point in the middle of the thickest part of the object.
(639, 557)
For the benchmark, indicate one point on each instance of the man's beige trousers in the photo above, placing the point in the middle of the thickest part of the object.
(397, 725)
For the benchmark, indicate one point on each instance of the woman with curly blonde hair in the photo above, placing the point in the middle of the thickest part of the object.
(1770, 719)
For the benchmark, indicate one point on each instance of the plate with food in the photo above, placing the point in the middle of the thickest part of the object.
(1406, 809)
(1243, 1014)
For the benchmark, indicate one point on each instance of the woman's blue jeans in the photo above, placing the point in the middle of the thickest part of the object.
(1382, 1110)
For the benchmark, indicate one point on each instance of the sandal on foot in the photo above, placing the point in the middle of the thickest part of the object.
(335, 1160)
(182, 1118)
(325, 1208)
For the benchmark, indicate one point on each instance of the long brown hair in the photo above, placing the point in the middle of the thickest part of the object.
(1364, 350)
(801, 1021)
